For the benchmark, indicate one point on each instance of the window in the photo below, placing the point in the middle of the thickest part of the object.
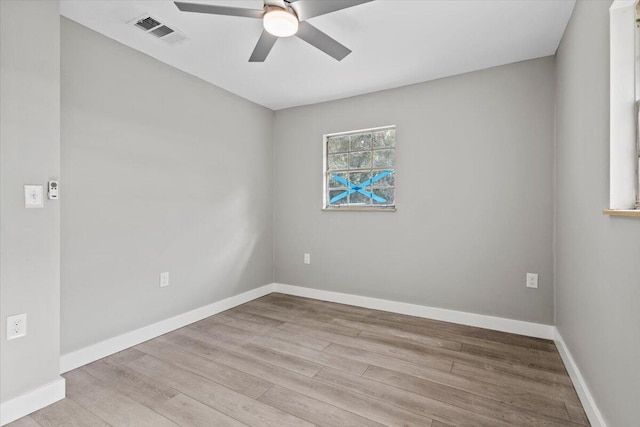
(359, 170)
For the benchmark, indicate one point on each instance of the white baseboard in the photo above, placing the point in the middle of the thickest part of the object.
(519, 327)
(27, 403)
(588, 403)
(113, 345)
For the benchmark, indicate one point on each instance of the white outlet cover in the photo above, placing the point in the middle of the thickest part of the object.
(33, 196)
(164, 279)
(307, 258)
(16, 326)
(532, 280)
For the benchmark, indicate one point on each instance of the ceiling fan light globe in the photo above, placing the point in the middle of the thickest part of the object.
(280, 23)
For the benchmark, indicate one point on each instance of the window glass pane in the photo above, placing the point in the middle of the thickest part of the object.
(387, 181)
(360, 160)
(338, 161)
(335, 193)
(361, 141)
(338, 144)
(385, 139)
(359, 198)
(386, 193)
(383, 158)
(333, 183)
(358, 178)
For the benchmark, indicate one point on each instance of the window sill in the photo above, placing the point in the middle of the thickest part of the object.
(621, 212)
(360, 209)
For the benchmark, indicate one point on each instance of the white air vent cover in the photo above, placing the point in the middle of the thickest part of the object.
(157, 29)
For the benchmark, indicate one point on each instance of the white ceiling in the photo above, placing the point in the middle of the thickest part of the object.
(394, 43)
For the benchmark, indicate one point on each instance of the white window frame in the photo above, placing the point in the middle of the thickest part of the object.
(624, 151)
(325, 201)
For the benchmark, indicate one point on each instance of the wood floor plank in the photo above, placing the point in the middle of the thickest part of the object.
(327, 326)
(320, 357)
(283, 360)
(225, 333)
(427, 335)
(530, 359)
(577, 414)
(491, 375)
(265, 310)
(67, 413)
(313, 410)
(408, 349)
(229, 377)
(283, 304)
(109, 404)
(254, 319)
(473, 402)
(421, 405)
(469, 331)
(505, 393)
(193, 345)
(449, 342)
(143, 389)
(369, 345)
(302, 339)
(231, 403)
(220, 341)
(228, 318)
(125, 356)
(373, 409)
(421, 368)
(188, 412)
(24, 422)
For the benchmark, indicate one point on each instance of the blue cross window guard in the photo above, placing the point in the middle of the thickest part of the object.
(360, 188)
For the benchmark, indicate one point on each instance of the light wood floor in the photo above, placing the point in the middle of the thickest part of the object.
(287, 361)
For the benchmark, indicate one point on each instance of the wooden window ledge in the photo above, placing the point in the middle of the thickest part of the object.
(621, 212)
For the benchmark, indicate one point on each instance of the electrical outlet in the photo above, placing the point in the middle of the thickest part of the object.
(307, 258)
(16, 326)
(532, 280)
(164, 279)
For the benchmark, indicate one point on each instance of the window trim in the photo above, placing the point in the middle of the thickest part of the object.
(623, 140)
(343, 208)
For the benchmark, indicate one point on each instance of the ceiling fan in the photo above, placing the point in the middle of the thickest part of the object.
(284, 18)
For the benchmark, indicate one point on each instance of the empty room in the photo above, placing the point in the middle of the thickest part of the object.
(292, 213)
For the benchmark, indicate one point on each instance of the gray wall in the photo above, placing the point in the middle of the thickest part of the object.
(475, 195)
(598, 257)
(160, 172)
(29, 154)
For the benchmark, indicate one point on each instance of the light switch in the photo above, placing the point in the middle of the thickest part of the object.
(33, 196)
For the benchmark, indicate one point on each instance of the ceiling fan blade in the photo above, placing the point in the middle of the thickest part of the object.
(263, 47)
(307, 9)
(320, 40)
(219, 10)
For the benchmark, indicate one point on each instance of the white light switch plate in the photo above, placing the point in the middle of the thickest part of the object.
(33, 196)
(532, 280)
(16, 326)
(307, 258)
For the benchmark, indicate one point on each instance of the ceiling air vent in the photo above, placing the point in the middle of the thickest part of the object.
(154, 27)
(147, 23)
